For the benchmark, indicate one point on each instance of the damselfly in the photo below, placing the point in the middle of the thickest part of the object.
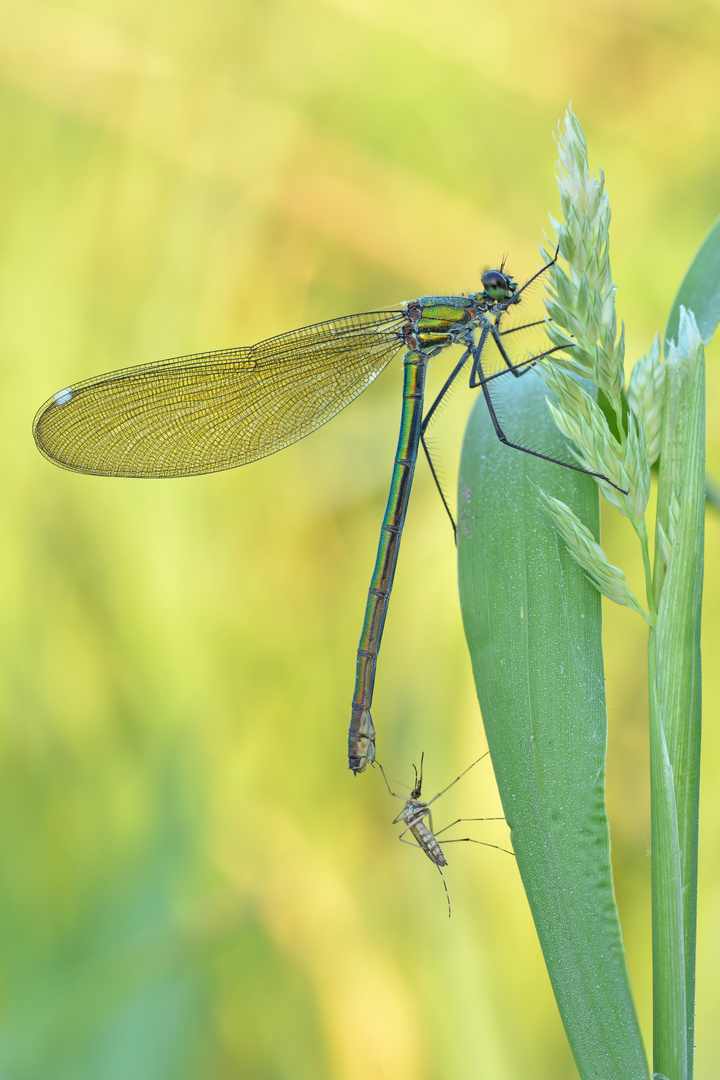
(414, 813)
(217, 410)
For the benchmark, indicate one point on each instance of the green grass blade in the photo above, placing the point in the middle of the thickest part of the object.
(533, 625)
(675, 702)
(699, 290)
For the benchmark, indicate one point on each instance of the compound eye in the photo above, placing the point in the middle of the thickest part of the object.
(494, 277)
(495, 284)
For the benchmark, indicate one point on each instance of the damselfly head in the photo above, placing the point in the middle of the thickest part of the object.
(498, 286)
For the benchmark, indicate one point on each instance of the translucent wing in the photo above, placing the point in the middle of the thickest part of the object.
(213, 411)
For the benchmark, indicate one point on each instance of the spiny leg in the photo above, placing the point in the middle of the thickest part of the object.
(524, 326)
(514, 368)
(524, 366)
(423, 427)
(537, 274)
(480, 379)
(475, 351)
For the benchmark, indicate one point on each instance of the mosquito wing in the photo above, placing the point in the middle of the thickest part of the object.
(212, 411)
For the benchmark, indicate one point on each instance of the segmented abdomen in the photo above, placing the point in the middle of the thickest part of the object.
(428, 843)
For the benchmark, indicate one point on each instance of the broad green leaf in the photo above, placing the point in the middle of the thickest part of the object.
(699, 291)
(533, 625)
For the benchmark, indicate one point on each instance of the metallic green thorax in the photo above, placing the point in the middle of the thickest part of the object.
(441, 320)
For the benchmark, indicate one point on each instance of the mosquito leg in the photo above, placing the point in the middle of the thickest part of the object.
(395, 794)
(482, 843)
(458, 778)
(447, 894)
(458, 820)
(410, 843)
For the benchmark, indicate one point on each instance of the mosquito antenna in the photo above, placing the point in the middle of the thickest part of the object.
(418, 780)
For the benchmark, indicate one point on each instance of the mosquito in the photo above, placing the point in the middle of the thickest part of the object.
(415, 811)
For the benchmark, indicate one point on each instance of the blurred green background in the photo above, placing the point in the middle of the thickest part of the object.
(192, 884)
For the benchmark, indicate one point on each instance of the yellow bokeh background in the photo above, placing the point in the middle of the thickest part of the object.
(193, 886)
